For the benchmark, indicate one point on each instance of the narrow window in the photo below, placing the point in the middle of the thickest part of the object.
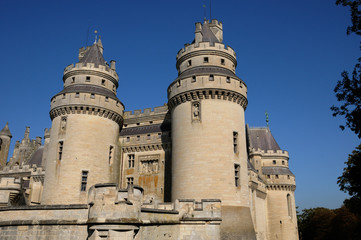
(211, 77)
(73, 80)
(189, 63)
(138, 138)
(268, 176)
(150, 122)
(131, 158)
(178, 83)
(277, 176)
(289, 205)
(205, 60)
(128, 139)
(60, 150)
(87, 79)
(114, 88)
(84, 179)
(63, 95)
(148, 137)
(107, 99)
(283, 162)
(159, 135)
(77, 94)
(228, 80)
(130, 180)
(235, 142)
(111, 155)
(138, 124)
(92, 95)
(222, 61)
(274, 162)
(103, 82)
(237, 169)
(288, 176)
(194, 79)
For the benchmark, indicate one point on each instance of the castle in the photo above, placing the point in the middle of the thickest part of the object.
(191, 169)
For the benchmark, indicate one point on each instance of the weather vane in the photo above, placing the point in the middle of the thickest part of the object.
(267, 119)
(210, 10)
(96, 35)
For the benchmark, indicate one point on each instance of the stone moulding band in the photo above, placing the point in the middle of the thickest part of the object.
(90, 72)
(285, 187)
(208, 94)
(90, 110)
(144, 148)
(206, 52)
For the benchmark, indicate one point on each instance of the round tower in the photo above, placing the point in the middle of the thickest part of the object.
(281, 185)
(207, 103)
(86, 119)
(5, 139)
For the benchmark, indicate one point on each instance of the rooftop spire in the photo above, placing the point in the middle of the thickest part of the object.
(6, 131)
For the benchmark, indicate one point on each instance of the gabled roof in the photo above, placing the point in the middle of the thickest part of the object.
(93, 55)
(6, 131)
(261, 138)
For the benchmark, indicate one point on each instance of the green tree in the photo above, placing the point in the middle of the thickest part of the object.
(348, 90)
(350, 180)
(348, 94)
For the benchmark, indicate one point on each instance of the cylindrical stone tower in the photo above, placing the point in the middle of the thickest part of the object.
(5, 139)
(207, 102)
(86, 120)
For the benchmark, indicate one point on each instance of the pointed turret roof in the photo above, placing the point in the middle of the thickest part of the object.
(207, 34)
(94, 55)
(6, 131)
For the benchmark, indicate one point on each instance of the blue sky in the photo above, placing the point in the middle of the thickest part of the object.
(290, 55)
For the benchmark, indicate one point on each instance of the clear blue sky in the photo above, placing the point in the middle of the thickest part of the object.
(290, 54)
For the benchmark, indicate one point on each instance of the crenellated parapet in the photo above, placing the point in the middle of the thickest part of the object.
(99, 71)
(20, 170)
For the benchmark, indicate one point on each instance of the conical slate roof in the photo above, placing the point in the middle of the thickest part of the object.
(93, 55)
(6, 131)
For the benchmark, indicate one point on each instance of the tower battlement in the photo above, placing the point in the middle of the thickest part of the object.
(146, 112)
(22, 169)
(90, 66)
(271, 153)
(202, 46)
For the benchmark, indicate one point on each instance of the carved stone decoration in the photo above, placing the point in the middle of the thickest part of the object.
(149, 164)
(196, 111)
(63, 122)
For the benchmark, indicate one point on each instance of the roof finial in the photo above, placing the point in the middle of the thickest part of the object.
(267, 119)
(204, 15)
(96, 36)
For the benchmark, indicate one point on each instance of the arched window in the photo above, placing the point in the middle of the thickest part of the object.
(289, 205)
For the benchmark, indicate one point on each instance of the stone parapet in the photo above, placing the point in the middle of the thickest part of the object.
(32, 170)
(90, 68)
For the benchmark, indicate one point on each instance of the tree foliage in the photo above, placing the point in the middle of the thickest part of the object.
(324, 223)
(355, 15)
(348, 90)
(350, 180)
